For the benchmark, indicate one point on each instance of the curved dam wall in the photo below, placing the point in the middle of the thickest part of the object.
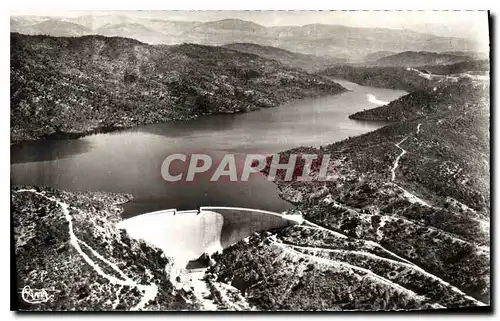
(239, 223)
(181, 235)
(186, 235)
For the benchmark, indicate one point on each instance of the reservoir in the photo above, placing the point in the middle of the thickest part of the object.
(129, 161)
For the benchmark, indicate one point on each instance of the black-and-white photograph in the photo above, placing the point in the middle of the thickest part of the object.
(250, 160)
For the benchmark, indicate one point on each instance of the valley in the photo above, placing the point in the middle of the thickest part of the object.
(415, 189)
(402, 221)
(83, 85)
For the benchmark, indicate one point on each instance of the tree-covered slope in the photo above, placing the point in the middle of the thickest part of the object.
(310, 63)
(444, 97)
(382, 77)
(68, 245)
(81, 84)
(420, 58)
(403, 222)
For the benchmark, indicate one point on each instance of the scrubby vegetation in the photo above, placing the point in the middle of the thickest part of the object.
(445, 97)
(46, 256)
(383, 77)
(83, 84)
(310, 63)
(402, 222)
(459, 67)
(420, 58)
(409, 202)
(304, 268)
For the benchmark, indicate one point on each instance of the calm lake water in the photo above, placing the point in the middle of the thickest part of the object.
(129, 161)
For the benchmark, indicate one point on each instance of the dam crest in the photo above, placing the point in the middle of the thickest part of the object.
(189, 235)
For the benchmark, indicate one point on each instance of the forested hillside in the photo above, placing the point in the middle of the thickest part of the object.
(402, 223)
(383, 77)
(310, 63)
(82, 84)
(447, 97)
(420, 58)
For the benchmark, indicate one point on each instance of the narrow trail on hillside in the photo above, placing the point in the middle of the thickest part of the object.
(397, 259)
(213, 295)
(201, 290)
(410, 266)
(343, 236)
(359, 271)
(149, 291)
(396, 161)
(452, 236)
(318, 253)
(412, 198)
(394, 258)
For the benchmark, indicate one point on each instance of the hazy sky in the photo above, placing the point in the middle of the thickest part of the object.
(447, 23)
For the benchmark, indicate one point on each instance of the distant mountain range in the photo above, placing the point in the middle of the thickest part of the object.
(317, 39)
(51, 27)
(402, 224)
(124, 30)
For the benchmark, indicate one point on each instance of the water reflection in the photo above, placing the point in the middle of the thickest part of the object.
(129, 161)
(200, 125)
(47, 150)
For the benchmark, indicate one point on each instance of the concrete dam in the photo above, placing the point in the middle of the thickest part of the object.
(187, 235)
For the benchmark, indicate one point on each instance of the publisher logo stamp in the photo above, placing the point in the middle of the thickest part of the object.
(35, 296)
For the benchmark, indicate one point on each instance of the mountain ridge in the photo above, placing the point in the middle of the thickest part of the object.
(419, 58)
(80, 84)
(317, 39)
(408, 210)
(307, 62)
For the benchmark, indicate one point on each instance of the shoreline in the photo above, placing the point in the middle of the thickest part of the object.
(62, 135)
